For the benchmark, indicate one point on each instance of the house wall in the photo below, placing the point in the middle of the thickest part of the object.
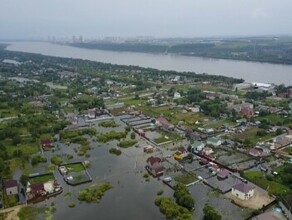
(12, 190)
(241, 195)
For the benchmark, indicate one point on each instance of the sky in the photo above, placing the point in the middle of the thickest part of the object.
(21, 19)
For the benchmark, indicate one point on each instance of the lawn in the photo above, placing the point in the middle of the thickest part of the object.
(75, 167)
(10, 200)
(259, 178)
(166, 136)
(218, 124)
(288, 150)
(251, 135)
(43, 178)
(273, 119)
(186, 178)
(25, 148)
(173, 115)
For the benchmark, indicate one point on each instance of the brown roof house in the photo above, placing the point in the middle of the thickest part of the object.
(47, 144)
(243, 191)
(222, 174)
(164, 123)
(154, 166)
(10, 187)
(256, 152)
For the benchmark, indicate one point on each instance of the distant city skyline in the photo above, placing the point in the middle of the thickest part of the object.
(34, 19)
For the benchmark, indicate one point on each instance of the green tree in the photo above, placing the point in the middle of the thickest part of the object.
(183, 196)
(210, 213)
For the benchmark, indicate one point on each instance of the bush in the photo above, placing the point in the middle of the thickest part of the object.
(71, 205)
(108, 124)
(210, 213)
(56, 160)
(115, 151)
(172, 210)
(38, 159)
(127, 143)
(160, 192)
(94, 193)
(133, 135)
(112, 135)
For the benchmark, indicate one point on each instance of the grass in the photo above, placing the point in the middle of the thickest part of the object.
(29, 213)
(108, 124)
(186, 178)
(259, 178)
(25, 148)
(16, 163)
(218, 124)
(76, 167)
(94, 193)
(166, 136)
(10, 200)
(42, 178)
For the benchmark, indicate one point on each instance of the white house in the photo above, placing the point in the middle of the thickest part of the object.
(243, 191)
(10, 187)
(198, 145)
(176, 95)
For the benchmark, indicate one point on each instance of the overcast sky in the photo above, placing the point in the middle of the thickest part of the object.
(158, 18)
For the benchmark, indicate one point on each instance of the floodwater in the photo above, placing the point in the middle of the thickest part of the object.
(132, 197)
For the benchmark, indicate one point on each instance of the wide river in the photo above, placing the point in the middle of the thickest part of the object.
(249, 71)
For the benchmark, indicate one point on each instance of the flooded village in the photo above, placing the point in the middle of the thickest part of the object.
(110, 148)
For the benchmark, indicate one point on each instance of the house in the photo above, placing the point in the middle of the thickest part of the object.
(245, 109)
(243, 191)
(247, 112)
(207, 151)
(91, 113)
(36, 189)
(180, 153)
(164, 123)
(176, 95)
(282, 141)
(47, 144)
(148, 149)
(256, 152)
(222, 174)
(154, 166)
(214, 141)
(192, 135)
(10, 187)
(197, 146)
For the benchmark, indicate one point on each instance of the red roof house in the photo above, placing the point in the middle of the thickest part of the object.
(47, 144)
(154, 166)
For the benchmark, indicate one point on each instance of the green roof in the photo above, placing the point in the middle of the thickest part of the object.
(213, 140)
(196, 144)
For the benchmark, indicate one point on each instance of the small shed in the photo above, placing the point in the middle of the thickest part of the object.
(10, 187)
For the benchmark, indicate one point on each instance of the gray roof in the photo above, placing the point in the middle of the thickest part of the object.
(243, 187)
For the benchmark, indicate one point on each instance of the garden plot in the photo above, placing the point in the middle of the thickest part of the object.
(75, 173)
(231, 158)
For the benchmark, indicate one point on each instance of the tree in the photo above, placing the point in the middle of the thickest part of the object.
(210, 213)
(133, 135)
(2, 165)
(183, 196)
